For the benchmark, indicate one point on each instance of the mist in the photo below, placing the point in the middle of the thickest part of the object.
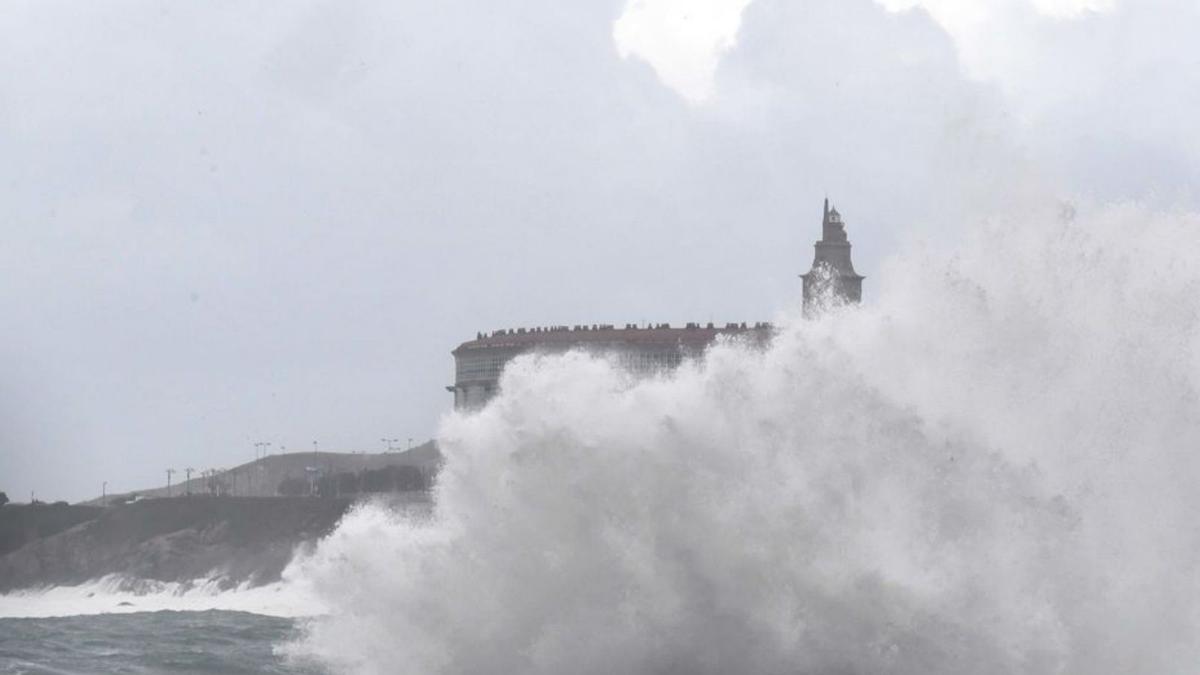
(990, 470)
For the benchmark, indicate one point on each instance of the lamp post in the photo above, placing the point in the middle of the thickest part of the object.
(388, 442)
(104, 493)
(170, 472)
(188, 484)
(260, 452)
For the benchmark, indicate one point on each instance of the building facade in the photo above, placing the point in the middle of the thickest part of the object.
(642, 350)
(653, 348)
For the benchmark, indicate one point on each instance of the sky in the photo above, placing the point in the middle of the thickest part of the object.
(226, 223)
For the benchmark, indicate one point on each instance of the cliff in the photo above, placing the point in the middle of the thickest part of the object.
(236, 538)
(21, 524)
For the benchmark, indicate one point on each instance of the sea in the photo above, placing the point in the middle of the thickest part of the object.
(117, 624)
(210, 641)
(989, 467)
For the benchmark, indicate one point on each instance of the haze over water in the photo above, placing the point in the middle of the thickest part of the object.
(989, 469)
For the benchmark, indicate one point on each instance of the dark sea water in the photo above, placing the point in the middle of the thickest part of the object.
(148, 642)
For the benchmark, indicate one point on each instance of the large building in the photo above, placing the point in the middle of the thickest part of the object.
(652, 348)
(640, 349)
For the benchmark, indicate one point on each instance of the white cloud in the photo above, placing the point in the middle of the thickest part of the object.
(683, 40)
(994, 36)
(1072, 8)
(957, 13)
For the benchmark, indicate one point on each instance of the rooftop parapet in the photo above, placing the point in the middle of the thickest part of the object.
(691, 334)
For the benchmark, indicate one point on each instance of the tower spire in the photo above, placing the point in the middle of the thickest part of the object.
(832, 279)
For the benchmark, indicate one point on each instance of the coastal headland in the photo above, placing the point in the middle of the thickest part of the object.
(209, 527)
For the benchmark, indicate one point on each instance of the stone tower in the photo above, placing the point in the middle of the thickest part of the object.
(832, 279)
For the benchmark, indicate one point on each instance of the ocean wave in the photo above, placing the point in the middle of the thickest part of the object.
(990, 469)
(118, 594)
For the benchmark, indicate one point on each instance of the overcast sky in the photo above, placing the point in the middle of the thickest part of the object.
(226, 222)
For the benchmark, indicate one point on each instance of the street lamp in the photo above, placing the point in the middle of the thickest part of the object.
(388, 442)
(169, 473)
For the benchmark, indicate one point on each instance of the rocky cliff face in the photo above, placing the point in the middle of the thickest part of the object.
(23, 523)
(236, 538)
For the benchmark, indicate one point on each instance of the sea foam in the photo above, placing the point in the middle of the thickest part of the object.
(117, 594)
(990, 468)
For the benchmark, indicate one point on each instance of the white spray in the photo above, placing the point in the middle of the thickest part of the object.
(993, 468)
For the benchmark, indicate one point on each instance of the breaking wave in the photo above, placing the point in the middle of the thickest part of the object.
(991, 469)
(118, 594)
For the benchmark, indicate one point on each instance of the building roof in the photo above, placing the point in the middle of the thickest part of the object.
(691, 335)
